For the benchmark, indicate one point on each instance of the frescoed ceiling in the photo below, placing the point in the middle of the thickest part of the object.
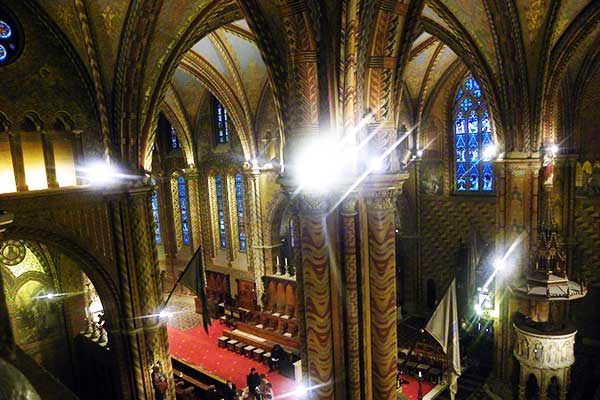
(231, 55)
(428, 62)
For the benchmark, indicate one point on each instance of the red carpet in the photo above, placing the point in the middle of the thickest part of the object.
(411, 389)
(196, 347)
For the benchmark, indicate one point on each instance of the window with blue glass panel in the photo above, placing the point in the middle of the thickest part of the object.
(155, 216)
(175, 143)
(183, 210)
(220, 211)
(239, 201)
(11, 38)
(472, 134)
(222, 131)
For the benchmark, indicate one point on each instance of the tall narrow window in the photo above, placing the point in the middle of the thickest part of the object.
(239, 201)
(220, 211)
(175, 144)
(155, 215)
(222, 133)
(183, 210)
(472, 134)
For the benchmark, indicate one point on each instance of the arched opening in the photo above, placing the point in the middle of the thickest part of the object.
(532, 390)
(553, 391)
(58, 320)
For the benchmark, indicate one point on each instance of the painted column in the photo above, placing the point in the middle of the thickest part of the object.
(191, 177)
(49, 161)
(167, 225)
(7, 342)
(148, 282)
(348, 213)
(517, 216)
(16, 153)
(254, 230)
(314, 282)
(380, 207)
(78, 155)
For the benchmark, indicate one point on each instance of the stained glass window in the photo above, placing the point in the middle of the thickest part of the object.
(183, 210)
(472, 134)
(175, 144)
(155, 215)
(220, 211)
(239, 201)
(222, 132)
(10, 38)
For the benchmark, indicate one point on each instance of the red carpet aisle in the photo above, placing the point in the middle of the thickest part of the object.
(196, 347)
(412, 389)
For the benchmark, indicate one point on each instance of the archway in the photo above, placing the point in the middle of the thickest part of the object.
(532, 390)
(75, 271)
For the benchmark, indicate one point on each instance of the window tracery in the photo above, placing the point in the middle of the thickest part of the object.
(10, 38)
(183, 210)
(241, 218)
(220, 211)
(222, 131)
(472, 135)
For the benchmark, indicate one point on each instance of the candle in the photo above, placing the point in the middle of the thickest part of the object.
(285, 261)
(277, 263)
(420, 375)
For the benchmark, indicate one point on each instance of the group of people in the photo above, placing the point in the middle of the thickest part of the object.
(259, 387)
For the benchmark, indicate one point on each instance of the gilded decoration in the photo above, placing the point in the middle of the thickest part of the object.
(108, 15)
(12, 252)
(176, 211)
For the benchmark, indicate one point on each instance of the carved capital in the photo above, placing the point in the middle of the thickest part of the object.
(381, 199)
(349, 204)
(312, 203)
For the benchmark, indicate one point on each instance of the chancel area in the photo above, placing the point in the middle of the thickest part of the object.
(328, 200)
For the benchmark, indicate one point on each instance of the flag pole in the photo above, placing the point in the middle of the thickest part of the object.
(180, 278)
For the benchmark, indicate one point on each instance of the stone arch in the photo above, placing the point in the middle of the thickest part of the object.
(532, 388)
(97, 270)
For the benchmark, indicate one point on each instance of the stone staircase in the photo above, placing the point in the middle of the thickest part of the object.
(47, 386)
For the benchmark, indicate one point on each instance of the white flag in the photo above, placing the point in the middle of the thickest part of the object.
(443, 326)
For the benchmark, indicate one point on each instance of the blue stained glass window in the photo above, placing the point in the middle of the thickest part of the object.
(222, 128)
(239, 201)
(11, 38)
(155, 216)
(220, 211)
(183, 210)
(175, 144)
(472, 133)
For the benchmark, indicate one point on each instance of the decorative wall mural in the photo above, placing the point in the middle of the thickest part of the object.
(36, 317)
(588, 178)
(12, 252)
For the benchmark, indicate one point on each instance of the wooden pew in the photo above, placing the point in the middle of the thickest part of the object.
(196, 376)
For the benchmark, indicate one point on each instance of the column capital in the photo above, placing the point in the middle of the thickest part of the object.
(349, 205)
(380, 191)
(312, 203)
(191, 173)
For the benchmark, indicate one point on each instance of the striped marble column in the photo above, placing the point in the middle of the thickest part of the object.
(352, 326)
(382, 279)
(314, 284)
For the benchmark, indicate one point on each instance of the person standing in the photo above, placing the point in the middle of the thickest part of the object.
(268, 392)
(253, 382)
(229, 392)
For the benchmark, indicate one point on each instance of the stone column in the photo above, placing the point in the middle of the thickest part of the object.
(7, 342)
(314, 282)
(49, 162)
(254, 230)
(192, 177)
(380, 206)
(78, 155)
(147, 281)
(352, 326)
(517, 216)
(16, 153)
(522, 384)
